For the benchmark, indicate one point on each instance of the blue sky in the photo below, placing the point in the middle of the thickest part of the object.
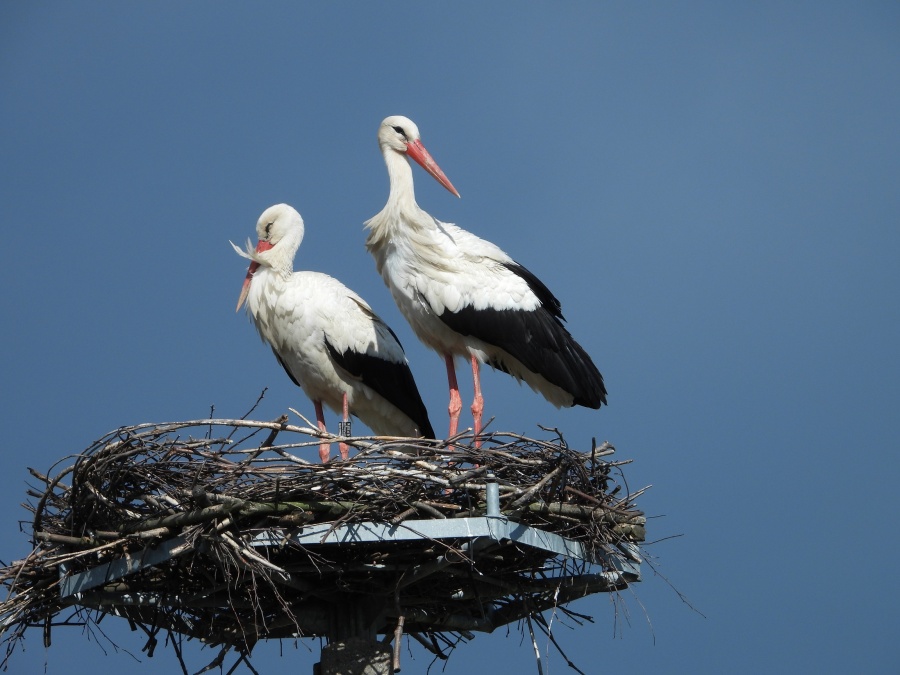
(711, 189)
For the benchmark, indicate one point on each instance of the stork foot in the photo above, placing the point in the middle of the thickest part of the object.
(477, 410)
(478, 401)
(344, 428)
(455, 406)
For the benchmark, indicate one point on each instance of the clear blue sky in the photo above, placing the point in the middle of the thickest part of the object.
(711, 189)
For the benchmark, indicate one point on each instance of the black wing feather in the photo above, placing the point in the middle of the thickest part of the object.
(538, 339)
(393, 381)
(289, 373)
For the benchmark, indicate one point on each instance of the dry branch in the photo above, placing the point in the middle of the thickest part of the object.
(214, 490)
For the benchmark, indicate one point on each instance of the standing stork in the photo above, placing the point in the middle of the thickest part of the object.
(463, 296)
(328, 340)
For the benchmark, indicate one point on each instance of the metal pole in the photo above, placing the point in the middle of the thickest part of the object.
(353, 647)
(492, 497)
(355, 656)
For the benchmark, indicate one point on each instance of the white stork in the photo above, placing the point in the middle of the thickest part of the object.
(463, 296)
(328, 340)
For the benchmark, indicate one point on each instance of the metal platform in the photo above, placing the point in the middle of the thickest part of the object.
(621, 566)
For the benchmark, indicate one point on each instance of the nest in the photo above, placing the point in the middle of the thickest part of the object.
(221, 505)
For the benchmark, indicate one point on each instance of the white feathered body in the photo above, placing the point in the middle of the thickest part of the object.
(433, 267)
(326, 337)
(298, 313)
(464, 296)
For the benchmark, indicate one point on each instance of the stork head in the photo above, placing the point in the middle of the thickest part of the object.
(280, 231)
(280, 223)
(400, 134)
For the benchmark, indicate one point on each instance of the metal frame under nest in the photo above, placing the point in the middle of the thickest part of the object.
(184, 529)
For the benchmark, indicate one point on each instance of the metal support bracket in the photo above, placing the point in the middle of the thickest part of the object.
(624, 564)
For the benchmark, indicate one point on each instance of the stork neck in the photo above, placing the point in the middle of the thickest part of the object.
(403, 193)
(280, 258)
(401, 210)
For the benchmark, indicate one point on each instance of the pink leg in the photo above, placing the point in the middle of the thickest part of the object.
(324, 448)
(478, 403)
(345, 430)
(455, 401)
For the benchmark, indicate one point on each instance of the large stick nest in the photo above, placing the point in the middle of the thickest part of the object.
(215, 484)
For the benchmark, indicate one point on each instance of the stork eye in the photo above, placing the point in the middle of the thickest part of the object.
(400, 131)
(268, 229)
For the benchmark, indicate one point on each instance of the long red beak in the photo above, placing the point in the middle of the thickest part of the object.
(245, 289)
(417, 151)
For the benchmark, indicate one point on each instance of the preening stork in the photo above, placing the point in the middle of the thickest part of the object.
(463, 296)
(327, 339)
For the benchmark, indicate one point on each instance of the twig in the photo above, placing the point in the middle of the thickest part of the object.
(238, 509)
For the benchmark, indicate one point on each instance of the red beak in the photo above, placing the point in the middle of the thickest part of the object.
(245, 289)
(417, 151)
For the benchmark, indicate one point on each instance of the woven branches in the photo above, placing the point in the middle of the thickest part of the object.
(194, 528)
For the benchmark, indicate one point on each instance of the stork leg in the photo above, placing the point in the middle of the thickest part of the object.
(478, 402)
(345, 429)
(455, 400)
(324, 448)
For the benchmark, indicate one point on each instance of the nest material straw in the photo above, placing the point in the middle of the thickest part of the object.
(217, 483)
